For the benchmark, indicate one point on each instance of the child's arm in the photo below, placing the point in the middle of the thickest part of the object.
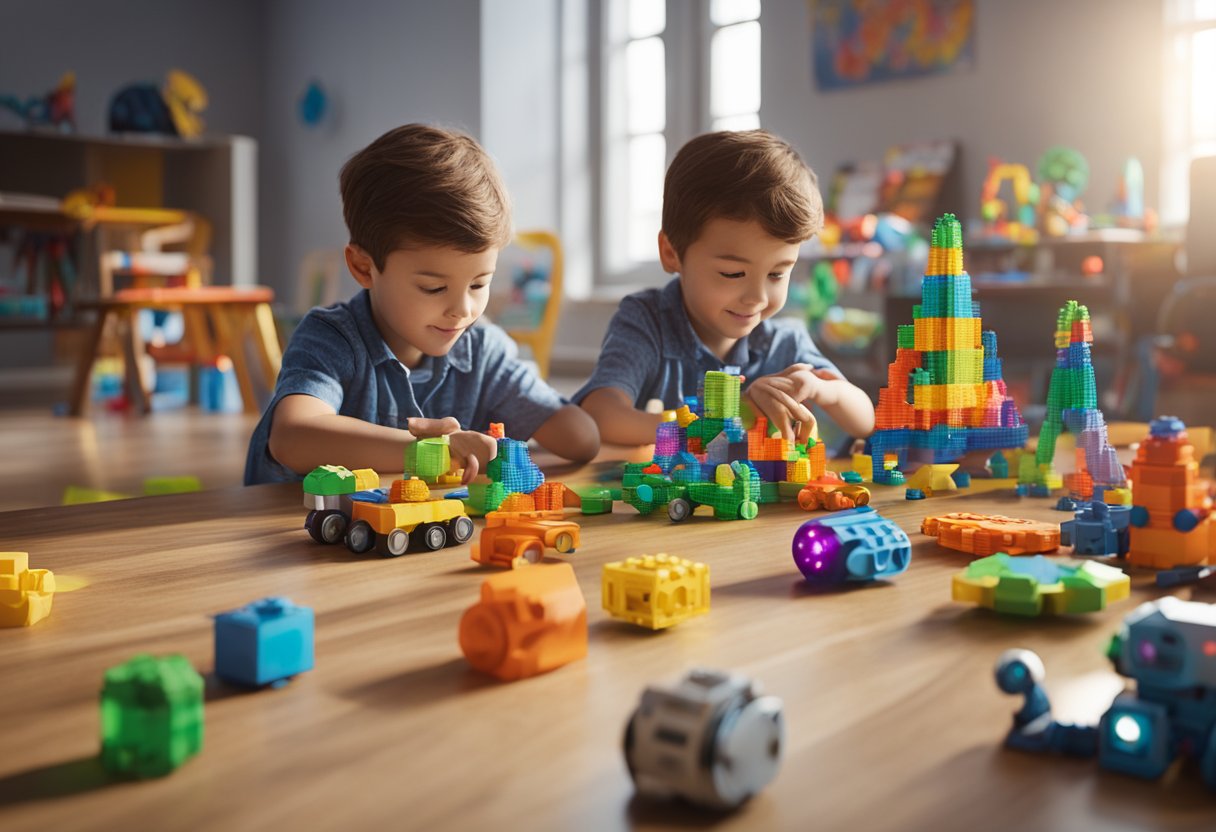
(307, 432)
(619, 423)
(782, 398)
(570, 433)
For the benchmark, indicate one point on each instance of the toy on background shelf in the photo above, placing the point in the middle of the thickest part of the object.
(1098, 529)
(1063, 174)
(655, 591)
(987, 534)
(512, 538)
(328, 493)
(409, 516)
(945, 394)
(266, 642)
(151, 716)
(858, 545)
(1031, 586)
(528, 621)
(171, 110)
(1014, 223)
(25, 594)
(1172, 523)
(732, 740)
(56, 108)
(1165, 647)
(1072, 403)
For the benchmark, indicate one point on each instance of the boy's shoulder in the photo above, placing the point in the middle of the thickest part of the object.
(658, 310)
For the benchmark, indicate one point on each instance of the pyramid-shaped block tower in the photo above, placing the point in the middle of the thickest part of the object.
(944, 392)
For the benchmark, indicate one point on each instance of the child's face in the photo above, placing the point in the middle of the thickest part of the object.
(734, 275)
(426, 297)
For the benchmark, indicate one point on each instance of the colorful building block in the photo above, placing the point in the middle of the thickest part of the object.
(25, 594)
(1098, 529)
(151, 715)
(832, 494)
(1035, 585)
(987, 534)
(266, 642)
(854, 545)
(656, 591)
(511, 539)
(409, 518)
(1172, 523)
(528, 621)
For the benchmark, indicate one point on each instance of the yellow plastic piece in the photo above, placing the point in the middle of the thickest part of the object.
(723, 475)
(863, 464)
(930, 478)
(668, 416)
(384, 517)
(1117, 496)
(366, 479)
(798, 471)
(685, 416)
(513, 503)
(656, 591)
(25, 594)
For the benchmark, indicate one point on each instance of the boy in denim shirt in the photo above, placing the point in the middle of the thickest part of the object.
(403, 360)
(736, 207)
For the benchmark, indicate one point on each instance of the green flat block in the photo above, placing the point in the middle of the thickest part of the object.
(75, 495)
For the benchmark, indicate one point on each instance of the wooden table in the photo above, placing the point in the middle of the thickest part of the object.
(894, 721)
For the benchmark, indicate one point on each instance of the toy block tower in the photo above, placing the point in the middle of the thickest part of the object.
(1172, 521)
(512, 471)
(1072, 403)
(945, 393)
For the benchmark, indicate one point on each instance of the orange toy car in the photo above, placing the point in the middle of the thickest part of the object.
(987, 534)
(832, 494)
(513, 537)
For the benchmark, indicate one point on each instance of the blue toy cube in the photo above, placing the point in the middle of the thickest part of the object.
(264, 643)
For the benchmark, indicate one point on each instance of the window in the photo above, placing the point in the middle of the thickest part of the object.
(668, 71)
(1190, 117)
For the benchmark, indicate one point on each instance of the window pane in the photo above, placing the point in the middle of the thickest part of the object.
(725, 12)
(646, 86)
(646, 18)
(646, 157)
(747, 121)
(1203, 84)
(1205, 9)
(735, 70)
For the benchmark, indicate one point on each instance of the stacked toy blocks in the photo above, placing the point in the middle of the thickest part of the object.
(1032, 586)
(945, 393)
(151, 716)
(656, 591)
(512, 471)
(266, 642)
(1171, 521)
(25, 594)
(987, 534)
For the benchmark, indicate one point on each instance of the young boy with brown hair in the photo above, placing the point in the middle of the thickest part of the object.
(403, 359)
(736, 207)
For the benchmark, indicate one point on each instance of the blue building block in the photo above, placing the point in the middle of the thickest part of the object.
(853, 545)
(914, 494)
(263, 643)
(1098, 529)
(1066, 503)
(961, 478)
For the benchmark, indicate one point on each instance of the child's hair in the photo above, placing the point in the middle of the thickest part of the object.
(419, 184)
(746, 175)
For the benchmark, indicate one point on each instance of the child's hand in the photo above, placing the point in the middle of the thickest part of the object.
(780, 398)
(469, 449)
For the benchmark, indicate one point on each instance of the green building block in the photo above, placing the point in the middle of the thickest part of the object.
(595, 499)
(329, 481)
(157, 486)
(428, 459)
(151, 715)
(721, 395)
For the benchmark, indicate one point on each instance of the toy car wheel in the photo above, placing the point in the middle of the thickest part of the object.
(564, 543)
(359, 537)
(861, 498)
(679, 509)
(533, 552)
(462, 529)
(327, 526)
(748, 510)
(393, 544)
(434, 536)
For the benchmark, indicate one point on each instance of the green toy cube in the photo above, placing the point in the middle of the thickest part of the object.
(151, 715)
(428, 459)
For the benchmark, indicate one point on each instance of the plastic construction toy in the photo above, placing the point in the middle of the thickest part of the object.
(513, 482)
(430, 460)
(733, 495)
(512, 538)
(945, 393)
(151, 716)
(1032, 586)
(987, 534)
(328, 491)
(856, 545)
(832, 494)
(656, 591)
(1165, 646)
(1001, 221)
(1098, 529)
(266, 642)
(1186, 575)
(409, 517)
(712, 739)
(528, 621)
(1172, 520)
(914, 494)
(25, 594)
(933, 479)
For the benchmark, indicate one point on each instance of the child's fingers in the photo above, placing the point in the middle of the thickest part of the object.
(470, 469)
(805, 427)
(424, 428)
(792, 406)
(767, 402)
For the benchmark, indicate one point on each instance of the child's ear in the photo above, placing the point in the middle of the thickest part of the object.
(360, 264)
(667, 254)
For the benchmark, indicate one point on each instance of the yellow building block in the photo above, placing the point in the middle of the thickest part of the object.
(366, 479)
(948, 396)
(25, 594)
(938, 334)
(863, 464)
(930, 478)
(1117, 496)
(655, 591)
(723, 475)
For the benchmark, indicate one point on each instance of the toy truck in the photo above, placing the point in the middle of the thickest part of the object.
(732, 495)
(512, 537)
(409, 516)
(328, 492)
(832, 494)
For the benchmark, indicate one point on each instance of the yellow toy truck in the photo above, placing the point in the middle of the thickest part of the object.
(410, 516)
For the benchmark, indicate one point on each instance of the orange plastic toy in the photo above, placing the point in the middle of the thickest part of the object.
(511, 538)
(832, 494)
(987, 534)
(1172, 522)
(528, 621)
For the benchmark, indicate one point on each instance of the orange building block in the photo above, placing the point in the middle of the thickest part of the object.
(987, 534)
(1165, 481)
(511, 538)
(528, 621)
(549, 496)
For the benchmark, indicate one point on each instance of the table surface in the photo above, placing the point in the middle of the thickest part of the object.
(893, 718)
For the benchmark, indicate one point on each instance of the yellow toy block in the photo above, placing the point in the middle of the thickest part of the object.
(798, 471)
(25, 594)
(723, 475)
(366, 479)
(685, 416)
(931, 478)
(1117, 496)
(655, 591)
(946, 334)
(863, 464)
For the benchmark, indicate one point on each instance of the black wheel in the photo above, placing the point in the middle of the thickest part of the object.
(359, 537)
(393, 544)
(679, 509)
(434, 536)
(462, 530)
(327, 526)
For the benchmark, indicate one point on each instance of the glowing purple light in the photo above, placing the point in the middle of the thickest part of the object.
(816, 549)
(1148, 651)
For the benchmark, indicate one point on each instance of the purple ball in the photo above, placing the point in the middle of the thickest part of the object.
(817, 553)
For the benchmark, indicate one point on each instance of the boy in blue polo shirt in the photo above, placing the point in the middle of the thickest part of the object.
(736, 207)
(406, 358)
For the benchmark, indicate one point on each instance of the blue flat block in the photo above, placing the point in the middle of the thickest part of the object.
(914, 494)
(263, 643)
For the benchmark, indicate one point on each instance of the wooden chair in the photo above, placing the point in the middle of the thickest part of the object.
(539, 339)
